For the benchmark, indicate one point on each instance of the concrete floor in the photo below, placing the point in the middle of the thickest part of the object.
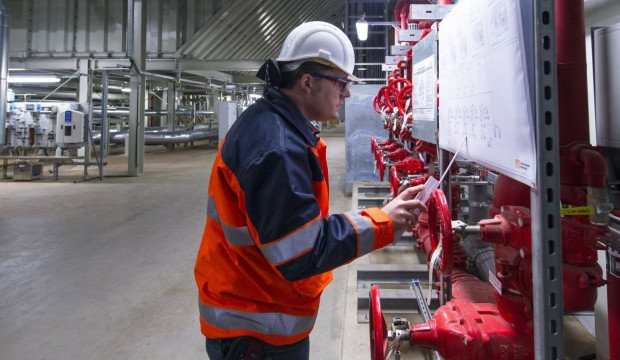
(104, 270)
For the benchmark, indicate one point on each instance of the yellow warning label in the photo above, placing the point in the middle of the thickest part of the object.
(577, 211)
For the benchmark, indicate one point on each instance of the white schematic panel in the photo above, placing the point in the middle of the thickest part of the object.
(483, 89)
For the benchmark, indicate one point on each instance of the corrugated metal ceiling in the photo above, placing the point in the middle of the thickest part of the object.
(219, 35)
(256, 29)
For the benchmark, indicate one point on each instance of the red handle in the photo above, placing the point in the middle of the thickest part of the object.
(440, 229)
(378, 327)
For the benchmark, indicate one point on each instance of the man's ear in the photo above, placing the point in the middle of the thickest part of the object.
(306, 84)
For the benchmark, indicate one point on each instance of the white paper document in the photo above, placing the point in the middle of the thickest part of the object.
(483, 90)
(424, 89)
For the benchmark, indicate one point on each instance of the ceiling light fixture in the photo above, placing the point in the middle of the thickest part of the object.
(24, 79)
(362, 28)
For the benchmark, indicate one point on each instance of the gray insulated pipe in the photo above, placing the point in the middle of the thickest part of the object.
(478, 251)
(4, 64)
(159, 136)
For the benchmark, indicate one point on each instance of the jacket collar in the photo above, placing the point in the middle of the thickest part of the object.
(292, 114)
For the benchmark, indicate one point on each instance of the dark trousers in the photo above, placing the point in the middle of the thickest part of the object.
(248, 348)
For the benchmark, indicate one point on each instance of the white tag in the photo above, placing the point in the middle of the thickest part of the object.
(430, 186)
(431, 265)
(495, 282)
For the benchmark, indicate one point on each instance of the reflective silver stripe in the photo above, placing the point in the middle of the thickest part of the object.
(212, 210)
(264, 323)
(238, 236)
(365, 231)
(294, 244)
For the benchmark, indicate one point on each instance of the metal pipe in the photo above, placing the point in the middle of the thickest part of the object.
(156, 112)
(162, 137)
(4, 64)
(480, 252)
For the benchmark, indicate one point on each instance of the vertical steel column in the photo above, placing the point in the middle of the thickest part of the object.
(136, 49)
(85, 99)
(105, 122)
(4, 64)
(171, 119)
(545, 200)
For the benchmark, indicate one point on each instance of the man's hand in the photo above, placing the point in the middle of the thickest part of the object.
(401, 209)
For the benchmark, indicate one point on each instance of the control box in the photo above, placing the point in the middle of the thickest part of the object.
(69, 127)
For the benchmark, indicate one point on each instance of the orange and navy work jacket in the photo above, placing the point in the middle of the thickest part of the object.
(269, 244)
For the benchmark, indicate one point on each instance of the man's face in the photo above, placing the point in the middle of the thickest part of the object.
(326, 97)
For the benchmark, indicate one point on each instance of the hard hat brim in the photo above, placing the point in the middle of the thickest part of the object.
(295, 63)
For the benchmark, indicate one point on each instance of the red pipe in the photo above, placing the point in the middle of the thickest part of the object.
(571, 68)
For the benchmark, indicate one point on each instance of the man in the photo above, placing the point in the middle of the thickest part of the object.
(269, 245)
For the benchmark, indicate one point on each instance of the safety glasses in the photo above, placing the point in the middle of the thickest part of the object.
(343, 84)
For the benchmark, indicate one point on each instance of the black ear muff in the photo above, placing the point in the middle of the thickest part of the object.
(270, 73)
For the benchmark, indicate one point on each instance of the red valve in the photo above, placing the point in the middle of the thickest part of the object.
(375, 104)
(405, 133)
(404, 96)
(386, 142)
(410, 165)
(377, 326)
(398, 155)
(390, 94)
(391, 147)
(425, 147)
(380, 99)
(440, 225)
(394, 88)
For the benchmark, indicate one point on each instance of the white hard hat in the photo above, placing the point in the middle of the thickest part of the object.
(320, 42)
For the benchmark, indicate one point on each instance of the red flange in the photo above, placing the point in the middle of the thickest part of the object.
(440, 228)
(377, 326)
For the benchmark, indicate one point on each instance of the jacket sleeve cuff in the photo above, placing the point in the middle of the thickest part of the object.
(384, 229)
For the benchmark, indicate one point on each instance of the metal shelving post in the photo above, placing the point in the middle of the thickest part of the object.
(546, 235)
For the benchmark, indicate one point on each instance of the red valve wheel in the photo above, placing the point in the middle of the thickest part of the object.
(390, 94)
(394, 88)
(404, 96)
(440, 229)
(377, 326)
(382, 102)
(375, 104)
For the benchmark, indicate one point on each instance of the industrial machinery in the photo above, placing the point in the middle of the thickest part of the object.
(36, 133)
(486, 234)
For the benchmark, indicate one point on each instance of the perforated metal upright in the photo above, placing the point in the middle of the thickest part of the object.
(546, 235)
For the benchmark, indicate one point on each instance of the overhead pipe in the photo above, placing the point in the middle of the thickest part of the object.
(162, 136)
(125, 112)
(4, 64)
